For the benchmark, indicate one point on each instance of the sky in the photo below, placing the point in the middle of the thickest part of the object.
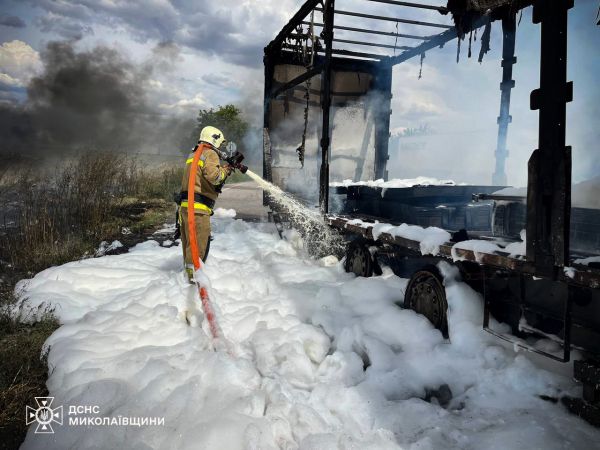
(219, 43)
(187, 55)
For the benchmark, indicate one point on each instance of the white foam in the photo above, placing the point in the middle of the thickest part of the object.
(302, 330)
(223, 212)
(397, 182)
(429, 238)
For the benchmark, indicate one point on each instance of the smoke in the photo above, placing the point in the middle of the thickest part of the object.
(91, 100)
(352, 132)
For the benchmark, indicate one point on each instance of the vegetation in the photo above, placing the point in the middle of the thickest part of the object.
(60, 217)
(49, 219)
(226, 118)
(24, 369)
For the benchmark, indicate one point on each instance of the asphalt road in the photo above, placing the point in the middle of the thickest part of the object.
(246, 198)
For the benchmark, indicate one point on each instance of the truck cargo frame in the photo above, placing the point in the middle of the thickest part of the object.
(573, 290)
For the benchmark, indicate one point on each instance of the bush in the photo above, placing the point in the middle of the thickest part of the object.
(61, 216)
(159, 183)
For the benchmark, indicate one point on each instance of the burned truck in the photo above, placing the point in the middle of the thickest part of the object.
(545, 287)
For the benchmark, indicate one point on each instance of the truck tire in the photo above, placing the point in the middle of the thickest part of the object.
(359, 259)
(425, 294)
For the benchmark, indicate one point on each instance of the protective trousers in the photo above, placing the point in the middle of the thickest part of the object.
(202, 222)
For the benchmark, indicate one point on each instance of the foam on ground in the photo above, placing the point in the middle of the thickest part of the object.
(323, 359)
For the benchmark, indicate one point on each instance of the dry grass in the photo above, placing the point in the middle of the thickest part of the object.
(23, 371)
(60, 217)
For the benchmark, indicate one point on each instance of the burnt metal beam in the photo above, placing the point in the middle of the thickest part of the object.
(498, 197)
(327, 35)
(440, 9)
(343, 52)
(549, 181)
(372, 44)
(359, 54)
(436, 41)
(381, 33)
(389, 19)
(304, 11)
(581, 276)
(509, 27)
(338, 63)
(296, 81)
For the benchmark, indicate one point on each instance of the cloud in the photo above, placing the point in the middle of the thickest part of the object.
(18, 63)
(9, 82)
(11, 21)
(64, 27)
(231, 29)
(224, 81)
(194, 104)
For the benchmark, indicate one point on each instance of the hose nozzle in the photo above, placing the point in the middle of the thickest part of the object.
(235, 161)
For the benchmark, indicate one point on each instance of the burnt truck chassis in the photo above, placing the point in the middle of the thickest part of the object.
(565, 309)
(544, 293)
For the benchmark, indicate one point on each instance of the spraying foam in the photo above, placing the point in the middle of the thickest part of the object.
(320, 239)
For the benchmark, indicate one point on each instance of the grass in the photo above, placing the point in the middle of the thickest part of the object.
(24, 369)
(59, 217)
(64, 215)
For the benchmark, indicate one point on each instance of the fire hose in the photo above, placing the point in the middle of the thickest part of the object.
(204, 298)
(235, 161)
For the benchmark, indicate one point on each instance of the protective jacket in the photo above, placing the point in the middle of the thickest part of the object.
(209, 180)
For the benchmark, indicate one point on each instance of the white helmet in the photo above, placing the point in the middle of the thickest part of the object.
(212, 136)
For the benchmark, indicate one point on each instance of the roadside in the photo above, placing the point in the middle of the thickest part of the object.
(51, 230)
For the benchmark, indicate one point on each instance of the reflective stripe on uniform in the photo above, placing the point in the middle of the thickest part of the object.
(200, 206)
(221, 176)
(190, 160)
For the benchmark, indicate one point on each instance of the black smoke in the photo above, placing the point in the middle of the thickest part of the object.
(91, 100)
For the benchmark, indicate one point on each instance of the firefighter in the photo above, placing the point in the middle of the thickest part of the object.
(210, 177)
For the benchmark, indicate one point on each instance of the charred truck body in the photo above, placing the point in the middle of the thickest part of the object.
(311, 88)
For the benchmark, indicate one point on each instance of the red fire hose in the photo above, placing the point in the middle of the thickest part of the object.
(206, 303)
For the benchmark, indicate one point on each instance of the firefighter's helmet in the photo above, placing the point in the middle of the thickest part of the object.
(212, 136)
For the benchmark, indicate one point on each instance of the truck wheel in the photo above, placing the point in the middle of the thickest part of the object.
(359, 259)
(425, 294)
